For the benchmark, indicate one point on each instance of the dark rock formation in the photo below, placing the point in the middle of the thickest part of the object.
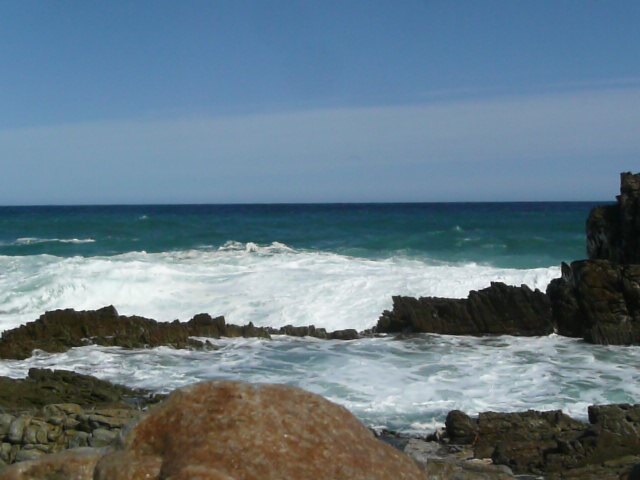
(596, 299)
(498, 309)
(59, 330)
(43, 387)
(312, 331)
(613, 231)
(599, 301)
(551, 443)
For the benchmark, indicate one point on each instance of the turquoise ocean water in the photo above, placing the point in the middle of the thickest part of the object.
(335, 266)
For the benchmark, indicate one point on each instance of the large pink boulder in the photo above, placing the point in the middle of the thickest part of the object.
(239, 431)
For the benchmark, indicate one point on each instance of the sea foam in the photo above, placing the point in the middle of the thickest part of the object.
(407, 384)
(270, 285)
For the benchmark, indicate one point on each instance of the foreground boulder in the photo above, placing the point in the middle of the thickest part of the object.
(499, 309)
(232, 430)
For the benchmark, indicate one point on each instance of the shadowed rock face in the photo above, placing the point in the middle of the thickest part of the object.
(228, 430)
(613, 231)
(599, 301)
(498, 309)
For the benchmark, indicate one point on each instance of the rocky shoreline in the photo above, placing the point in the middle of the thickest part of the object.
(54, 411)
(597, 299)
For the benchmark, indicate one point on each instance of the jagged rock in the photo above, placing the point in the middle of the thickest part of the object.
(599, 301)
(225, 430)
(551, 443)
(613, 231)
(59, 330)
(461, 428)
(498, 309)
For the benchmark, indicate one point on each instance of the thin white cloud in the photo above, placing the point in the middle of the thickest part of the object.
(334, 154)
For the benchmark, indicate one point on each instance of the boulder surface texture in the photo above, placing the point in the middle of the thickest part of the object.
(234, 430)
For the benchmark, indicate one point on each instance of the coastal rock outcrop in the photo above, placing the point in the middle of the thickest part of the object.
(498, 309)
(226, 430)
(613, 231)
(598, 299)
(58, 330)
(553, 444)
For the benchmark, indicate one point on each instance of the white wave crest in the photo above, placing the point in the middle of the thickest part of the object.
(250, 247)
(267, 285)
(34, 240)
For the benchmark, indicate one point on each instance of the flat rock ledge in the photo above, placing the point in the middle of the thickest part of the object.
(59, 330)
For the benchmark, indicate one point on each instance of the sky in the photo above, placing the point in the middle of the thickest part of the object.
(317, 101)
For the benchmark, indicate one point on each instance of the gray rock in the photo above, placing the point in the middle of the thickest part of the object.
(17, 428)
(5, 422)
(102, 437)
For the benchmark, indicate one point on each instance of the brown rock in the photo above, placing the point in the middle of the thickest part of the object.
(599, 301)
(60, 330)
(498, 309)
(227, 430)
(77, 464)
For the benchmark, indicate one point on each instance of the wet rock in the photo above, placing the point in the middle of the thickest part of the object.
(599, 301)
(307, 331)
(461, 428)
(498, 309)
(551, 443)
(346, 334)
(59, 330)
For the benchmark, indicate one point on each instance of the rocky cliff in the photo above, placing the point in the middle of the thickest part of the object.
(597, 299)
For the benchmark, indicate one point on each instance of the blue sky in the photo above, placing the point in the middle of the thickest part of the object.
(317, 101)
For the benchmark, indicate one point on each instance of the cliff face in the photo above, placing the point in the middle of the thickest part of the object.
(599, 299)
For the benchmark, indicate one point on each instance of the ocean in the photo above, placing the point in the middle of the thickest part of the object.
(334, 266)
